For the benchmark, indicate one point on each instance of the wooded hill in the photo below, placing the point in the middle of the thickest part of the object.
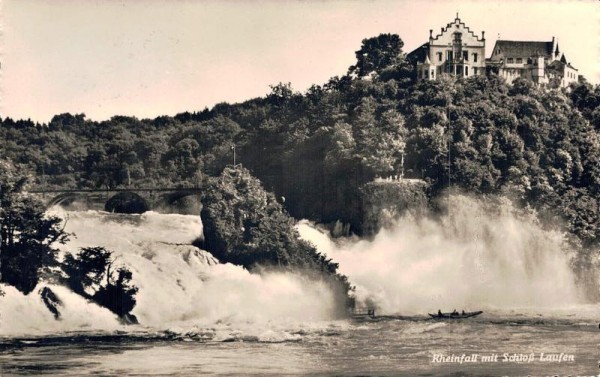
(316, 149)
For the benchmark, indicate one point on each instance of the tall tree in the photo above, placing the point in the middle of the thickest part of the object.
(28, 236)
(377, 53)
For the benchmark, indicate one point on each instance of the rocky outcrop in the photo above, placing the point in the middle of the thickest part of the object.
(385, 201)
(128, 319)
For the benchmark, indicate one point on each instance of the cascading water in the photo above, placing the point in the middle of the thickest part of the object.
(180, 286)
(480, 254)
(200, 317)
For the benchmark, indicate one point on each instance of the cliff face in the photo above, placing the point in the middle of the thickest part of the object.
(384, 201)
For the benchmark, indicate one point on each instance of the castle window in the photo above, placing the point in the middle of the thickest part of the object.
(510, 60)
(475, 70)
(519, 61)
(449, 55)
(439, 54)
(466, 55)
(432, 73)
(466, 71)
(457, 38)
(475, 57)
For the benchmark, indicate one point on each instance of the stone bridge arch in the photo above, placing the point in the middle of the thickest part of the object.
(168, 200)
(66, 199)
(182, 201)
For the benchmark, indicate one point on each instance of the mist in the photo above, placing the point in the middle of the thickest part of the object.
(479, 254)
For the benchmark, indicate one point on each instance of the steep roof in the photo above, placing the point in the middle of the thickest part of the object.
(523, 49)
(418, 54)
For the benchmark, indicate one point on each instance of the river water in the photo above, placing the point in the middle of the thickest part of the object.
(199, 317)
(388, 346)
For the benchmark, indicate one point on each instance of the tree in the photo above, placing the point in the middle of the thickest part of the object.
(90, 273)
(87, 270)
(28, 236)
(377, 53)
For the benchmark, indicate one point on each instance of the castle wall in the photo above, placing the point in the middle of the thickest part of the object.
(457, 51)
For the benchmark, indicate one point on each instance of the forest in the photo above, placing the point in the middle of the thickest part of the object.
(315, 150)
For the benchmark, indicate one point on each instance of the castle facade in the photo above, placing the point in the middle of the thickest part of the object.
(458, 52)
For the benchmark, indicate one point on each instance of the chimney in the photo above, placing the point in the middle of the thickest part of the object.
(430, 33)
(483, 35)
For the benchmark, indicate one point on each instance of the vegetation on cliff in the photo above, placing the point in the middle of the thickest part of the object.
(245, 225)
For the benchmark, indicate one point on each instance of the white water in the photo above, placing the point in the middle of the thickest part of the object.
(478, 256)
(180, 286)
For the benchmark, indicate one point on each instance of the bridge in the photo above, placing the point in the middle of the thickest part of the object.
(155, 197)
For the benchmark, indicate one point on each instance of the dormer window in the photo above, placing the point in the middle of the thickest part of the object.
(510, 60)
(519, 60)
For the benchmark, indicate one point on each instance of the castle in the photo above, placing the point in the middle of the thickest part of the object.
(457, 52)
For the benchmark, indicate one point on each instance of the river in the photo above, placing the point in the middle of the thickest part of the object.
(199, 317)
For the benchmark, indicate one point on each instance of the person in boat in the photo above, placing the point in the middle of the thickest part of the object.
(454, 312)
(463, 312)
(440, 313)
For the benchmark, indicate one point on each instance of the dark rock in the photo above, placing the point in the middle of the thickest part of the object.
(51, 301)
(126, 202)
(384, 202)
(128, 319)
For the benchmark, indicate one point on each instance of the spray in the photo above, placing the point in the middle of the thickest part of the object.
(481, 253)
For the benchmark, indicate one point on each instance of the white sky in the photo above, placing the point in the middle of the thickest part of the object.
(156, 57)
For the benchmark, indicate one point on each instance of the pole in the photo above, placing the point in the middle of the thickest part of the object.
(233, 147)
(1, 230)
(448, 146)
(402, 166)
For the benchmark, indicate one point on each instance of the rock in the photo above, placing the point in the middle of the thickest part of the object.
(383, 202)
(126, 202)
(128, 319)
(51, 301)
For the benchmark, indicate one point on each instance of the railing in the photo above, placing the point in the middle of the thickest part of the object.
(363, 312)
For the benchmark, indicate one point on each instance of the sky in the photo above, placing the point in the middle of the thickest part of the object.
(147, 58)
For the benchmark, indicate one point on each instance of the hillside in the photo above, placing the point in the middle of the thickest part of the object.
(317, 149)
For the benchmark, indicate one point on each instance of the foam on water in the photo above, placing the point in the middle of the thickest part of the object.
(478, 256)
(179, 285)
